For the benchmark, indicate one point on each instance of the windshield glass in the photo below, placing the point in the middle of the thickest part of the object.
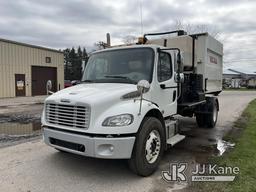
(120, 66)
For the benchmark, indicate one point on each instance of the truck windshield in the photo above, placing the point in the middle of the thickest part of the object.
(120, 66)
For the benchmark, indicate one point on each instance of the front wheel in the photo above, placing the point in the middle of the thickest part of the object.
(148, 148)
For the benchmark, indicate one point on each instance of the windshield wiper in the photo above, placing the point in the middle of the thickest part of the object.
(119, 77)
(87, 81)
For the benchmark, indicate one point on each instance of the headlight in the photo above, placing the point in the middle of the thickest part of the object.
(118, 120)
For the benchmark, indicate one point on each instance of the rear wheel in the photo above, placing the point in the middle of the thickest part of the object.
(200, 119)
(212, 115)
(148, 148)
(208, 115)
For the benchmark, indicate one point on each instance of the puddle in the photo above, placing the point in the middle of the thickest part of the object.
(19, 118)
(19, 129)
(223, 146)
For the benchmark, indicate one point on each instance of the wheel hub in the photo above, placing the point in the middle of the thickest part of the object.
(214, 116)
(152, 148)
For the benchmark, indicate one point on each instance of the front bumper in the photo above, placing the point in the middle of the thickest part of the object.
(98, 147)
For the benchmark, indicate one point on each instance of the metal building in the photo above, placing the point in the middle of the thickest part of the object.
(25, 69)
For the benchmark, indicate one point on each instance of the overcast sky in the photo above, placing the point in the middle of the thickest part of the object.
(62, 24)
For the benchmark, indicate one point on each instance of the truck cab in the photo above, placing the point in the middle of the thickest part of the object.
(126, 106)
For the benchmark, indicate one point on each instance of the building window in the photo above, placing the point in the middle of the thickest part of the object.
(48, 59)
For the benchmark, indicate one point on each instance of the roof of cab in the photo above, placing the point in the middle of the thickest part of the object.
(129, 47)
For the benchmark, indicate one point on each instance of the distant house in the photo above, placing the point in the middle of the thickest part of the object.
(245, 73)
(237, 77)
(229, 73)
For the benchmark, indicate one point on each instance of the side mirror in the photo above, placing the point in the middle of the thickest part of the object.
(49, 87)
(179, 77)
(143, 86)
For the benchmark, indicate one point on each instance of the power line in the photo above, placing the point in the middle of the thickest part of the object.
(141, 17)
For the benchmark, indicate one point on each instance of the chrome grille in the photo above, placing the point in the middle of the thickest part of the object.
(68, 115)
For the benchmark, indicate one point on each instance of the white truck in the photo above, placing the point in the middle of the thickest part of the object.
(251, 83)
(127, 104)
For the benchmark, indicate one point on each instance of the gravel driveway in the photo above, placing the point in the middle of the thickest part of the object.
(33, 166)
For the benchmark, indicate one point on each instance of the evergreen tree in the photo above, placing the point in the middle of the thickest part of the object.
(67, 64)
(73, 63)
(72, 58)
(85, 56)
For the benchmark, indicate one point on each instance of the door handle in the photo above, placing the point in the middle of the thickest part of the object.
(163, 86)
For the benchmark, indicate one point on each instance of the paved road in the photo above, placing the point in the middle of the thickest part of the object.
(34, 166)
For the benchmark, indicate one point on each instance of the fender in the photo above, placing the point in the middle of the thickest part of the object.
(131, 107)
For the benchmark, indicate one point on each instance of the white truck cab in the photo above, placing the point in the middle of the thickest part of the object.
(129, 96)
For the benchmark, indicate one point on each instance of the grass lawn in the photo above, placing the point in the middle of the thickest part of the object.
(242, 156)
(239, 89)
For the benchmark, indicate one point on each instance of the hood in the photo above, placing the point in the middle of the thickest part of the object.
(93, 92)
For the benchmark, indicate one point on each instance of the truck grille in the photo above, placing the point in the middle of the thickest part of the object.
(68, 115)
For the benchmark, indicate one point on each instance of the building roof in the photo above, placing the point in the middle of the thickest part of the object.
(29, 45)
(244, 71)
(238, 71)
(229, 72)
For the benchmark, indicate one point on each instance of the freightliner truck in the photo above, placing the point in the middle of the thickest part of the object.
(130, 97)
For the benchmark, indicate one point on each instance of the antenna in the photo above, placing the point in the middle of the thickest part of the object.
(141, 17)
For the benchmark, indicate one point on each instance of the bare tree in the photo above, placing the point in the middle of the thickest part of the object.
(196, 28)
(129, 39)
(100, 45)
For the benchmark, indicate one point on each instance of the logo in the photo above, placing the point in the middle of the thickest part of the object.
(204, 172)
(213, 60)
(175, 173)
(65, 100)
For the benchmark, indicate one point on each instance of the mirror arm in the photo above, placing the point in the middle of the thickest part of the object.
(141, 98)
(50, 92)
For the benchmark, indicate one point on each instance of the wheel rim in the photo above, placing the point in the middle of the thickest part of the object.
(214, 116)
(153, 145)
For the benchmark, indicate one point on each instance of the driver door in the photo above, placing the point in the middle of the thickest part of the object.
(166, 87)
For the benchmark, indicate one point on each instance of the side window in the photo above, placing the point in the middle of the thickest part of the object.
(164, 67)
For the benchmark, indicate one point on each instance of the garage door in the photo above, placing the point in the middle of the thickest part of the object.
(40, 76)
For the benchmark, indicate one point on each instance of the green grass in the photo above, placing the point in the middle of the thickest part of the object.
(242, 156)
(238, 89)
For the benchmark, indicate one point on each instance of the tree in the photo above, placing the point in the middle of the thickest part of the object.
(84, 57)
(73, 63)
(129, 39)
(77, 65)
(101, 45)
(196, 28)
(67, 64)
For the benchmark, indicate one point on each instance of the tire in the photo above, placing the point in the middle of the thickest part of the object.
(212, 116)
(200, 119)
(150, 139)
(208, 116)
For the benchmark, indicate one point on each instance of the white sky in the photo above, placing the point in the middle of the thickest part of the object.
(67, 23)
